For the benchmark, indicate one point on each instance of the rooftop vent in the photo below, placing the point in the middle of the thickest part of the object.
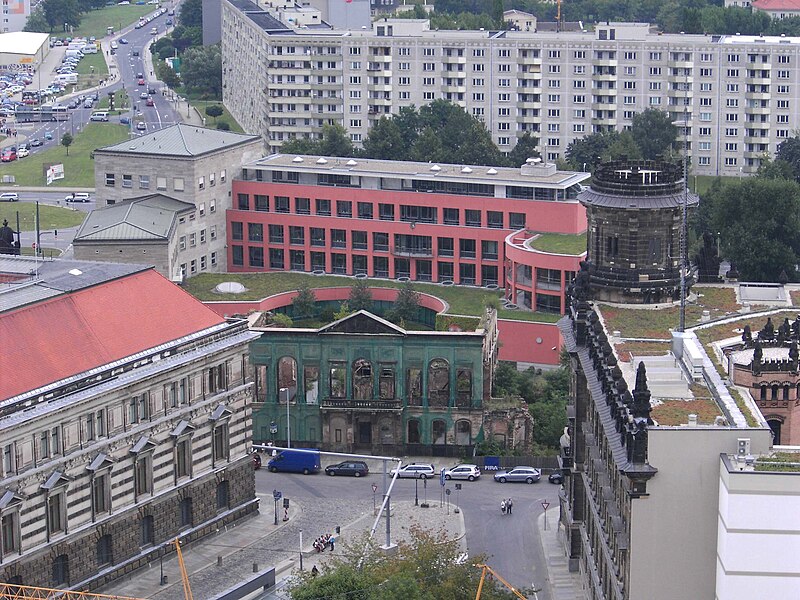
(436, 168)
(297, 159)
(322, 161)
(466, 170)
(75, 272)
(492, 171)
(351, 163)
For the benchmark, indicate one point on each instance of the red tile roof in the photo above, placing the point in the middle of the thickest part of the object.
(71, 333)
(775, 5)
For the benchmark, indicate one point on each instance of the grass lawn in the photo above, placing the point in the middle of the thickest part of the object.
(560, 243)
(644, 323)
(121, 102)
(676, 412)
(212, 122)
(78, 166)
(95, 22)
(462, 300)
(700, 183)
(46, 252)
(51, 217)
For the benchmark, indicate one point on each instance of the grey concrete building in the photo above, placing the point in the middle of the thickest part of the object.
(125, 425)
(151, 230)
(738, 93)
(190, 164)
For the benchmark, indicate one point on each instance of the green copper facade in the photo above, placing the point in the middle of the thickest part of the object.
(365, 384)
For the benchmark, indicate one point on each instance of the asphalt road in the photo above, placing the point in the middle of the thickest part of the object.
(510, 543)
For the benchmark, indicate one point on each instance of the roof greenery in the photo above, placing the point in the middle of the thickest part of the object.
(560, 243)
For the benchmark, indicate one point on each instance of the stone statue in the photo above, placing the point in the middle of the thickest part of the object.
(767, 334)
(758, 355)
(747, 336)
(784, 331)
(7, 245)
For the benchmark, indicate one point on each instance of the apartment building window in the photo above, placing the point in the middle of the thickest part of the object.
(255, 232)
(317, 236)
(127, 181)
(182, 457)
(629, 71)
(553, 98)
(655, 86)
(503, 53)
(578, 99)
(466, 248)
(783, 104)
(221, 443)
(275, 234)
(281, 204)
(201, 183)
(733, 58)
(489, 250)
(655, 100)
(706, 87)
(472, 218)
(554, 54)
(706, 72)
(705, 116)
(730, 162)
(782, 89)
(579, 70)
(110, 180)
(101, 493)
(297, 260)
(629, 100)
(731, 147)
(705, 101)
(783, 119)
(386, 212)
(553, 69)
(57, 511)
(358, 240)
(323, 207)
(516, 220)
(355, 80)
(450, 216)
(338, 238)
(629, 85)
(731, 131)
(445, 246)
(731, 117)
(503, 97)
(578, 128)
(261, 202)
(655, 71)
(364, 210)
(344, 208)
(178, 184)
(494, 219)
(9, 460)
(161, 183)
(503, 141)
(579, 113)
(10, 533)
(297, 235)
(704, 146)
(237, 257)
(732, 73)
(144, 182)
(579, 54)
(380, 242)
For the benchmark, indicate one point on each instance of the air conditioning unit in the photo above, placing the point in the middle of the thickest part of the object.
(743, 447)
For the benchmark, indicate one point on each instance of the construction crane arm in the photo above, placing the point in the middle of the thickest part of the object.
(487, 568)
(187, 590)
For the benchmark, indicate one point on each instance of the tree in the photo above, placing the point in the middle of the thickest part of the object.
(653, 132)
(759, 224)
(66, 141)
(789, 152)
(58, 13)
(305, 303)
(191, 13)
(774, 169)
(360, 296)
(583, 153)
(406, 305)
(224, 126)
(427, 147)
(162, 48)
(201, 71)
(384, 141)
(525, 149)
(214, 111)
(335, 141)
(184, 37)
(36, 22)
(356, 576)
(300, 146)
(167, 74)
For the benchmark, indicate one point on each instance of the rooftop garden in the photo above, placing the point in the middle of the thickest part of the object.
(778, 461)
(655, 324)
(560, 243)
(462, 300)
(676, 412)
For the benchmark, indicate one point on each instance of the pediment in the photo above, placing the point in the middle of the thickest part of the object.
(363, 322)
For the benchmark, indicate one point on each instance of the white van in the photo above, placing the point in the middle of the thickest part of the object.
(66, 78)
(100, 115)
(114, 45)
(76, 45)
(89, 48)
(75, 53)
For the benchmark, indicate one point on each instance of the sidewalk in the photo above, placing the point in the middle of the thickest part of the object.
(563, 584)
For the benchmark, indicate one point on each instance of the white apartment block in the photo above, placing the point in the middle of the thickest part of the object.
(738, 94)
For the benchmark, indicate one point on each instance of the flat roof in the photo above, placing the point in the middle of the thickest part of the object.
(22, 42)
(542, 176)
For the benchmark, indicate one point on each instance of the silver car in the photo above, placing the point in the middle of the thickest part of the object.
(526, 474)
(415, 471)
(468, 472)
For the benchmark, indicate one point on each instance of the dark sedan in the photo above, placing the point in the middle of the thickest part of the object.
(354, 468)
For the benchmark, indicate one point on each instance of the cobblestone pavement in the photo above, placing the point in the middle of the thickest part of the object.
(258, 540)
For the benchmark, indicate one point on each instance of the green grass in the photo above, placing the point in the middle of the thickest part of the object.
(559, 243)
(95, 22)
(462, 300)
(121, 102)
(46, 252)
(78, 166)
(701, 183)
(210, 121)
(50, 217)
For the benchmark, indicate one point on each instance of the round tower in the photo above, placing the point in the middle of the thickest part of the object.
(633, 212)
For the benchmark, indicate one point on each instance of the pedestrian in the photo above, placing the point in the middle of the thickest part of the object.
(509, 504)
(503, 506)
(314, 571)
(332, 542)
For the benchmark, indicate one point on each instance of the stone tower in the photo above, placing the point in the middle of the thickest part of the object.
(633, 211)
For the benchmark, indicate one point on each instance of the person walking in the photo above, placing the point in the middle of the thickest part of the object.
(314, 571)
(332, 542)
(503, 506)
(509, 504)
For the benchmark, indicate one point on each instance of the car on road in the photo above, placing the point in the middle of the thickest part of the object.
(143, 96)
(135, 53)
(140, 81)
(151, 90)
(77, 197)
(8, 155)
(141, 126)
(36, 142)
(353, 468)
(23, 152)
(88, 103)
(124, 120)
(517, 474)
(123, 41)
(468, 472)
(556, 477)
(150, 102)
(415, 471)
(9, 197)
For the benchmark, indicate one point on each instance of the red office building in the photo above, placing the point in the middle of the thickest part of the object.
(464, 225)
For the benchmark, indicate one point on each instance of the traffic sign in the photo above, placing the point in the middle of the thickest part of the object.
(33, 245)
(374, 488)
(545, 504)
(441, 478)
(447, 491)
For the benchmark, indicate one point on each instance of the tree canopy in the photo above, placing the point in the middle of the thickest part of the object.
(653, 133)
(201, 71)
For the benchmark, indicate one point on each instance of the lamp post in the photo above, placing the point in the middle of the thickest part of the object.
(285, 392)
(416, 491)
(276, 495)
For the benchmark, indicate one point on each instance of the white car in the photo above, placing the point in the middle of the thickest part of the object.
(468, 472)
(415, 471)
(77, 197)
(23, 152)
(9, 197)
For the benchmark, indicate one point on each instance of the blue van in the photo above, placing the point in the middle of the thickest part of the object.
(289, 461)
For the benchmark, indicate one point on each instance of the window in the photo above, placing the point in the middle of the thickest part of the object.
(178, 184)
(186, 516)
(338, 238)
(445, 246)
(148, 531)
(472, 217)
(297, 235)
(386, 212)
(143, 474)
(364, 210)
(183, 457)
(144, 182)
(516, 220)
(494, 219)
(221, 444)
(243, 201)
(302, 206)
(323, 207)
(9, 533)
(281, 204)
(201, 183)
(262, 202)
(358, 240)
(110, 180)
(466, 248)
(161, 183)
(255, 232)
(275, 234)
(337, 380)
(223, 495)
(344, 208)
(56, 512)
(450, 216)
(317, 236)
(489, 250)
(104, 550)
(380, 242)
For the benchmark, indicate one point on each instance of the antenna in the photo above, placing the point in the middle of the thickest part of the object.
(682, 322)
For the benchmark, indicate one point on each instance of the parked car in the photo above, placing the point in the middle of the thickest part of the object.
(415, 471)
(9, 197)
(468, 472)
(8, 155)
(353, 468)
(23, 152)
(124, 120)
(77, 197)
(556, 477)
(517, 474)
(123, 41)
(141, 126)
(36, 142)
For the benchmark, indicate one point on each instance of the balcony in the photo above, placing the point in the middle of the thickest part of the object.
(367, 405)
(605, 62)
(412, 252)
(529, 60)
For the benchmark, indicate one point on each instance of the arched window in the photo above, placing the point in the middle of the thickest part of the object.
(362, 380)
(786, 392)
(287, 380)
(463, 432)
(414, 432)
(763, 392)
(439, 432)
(774, 395)
(438, 382)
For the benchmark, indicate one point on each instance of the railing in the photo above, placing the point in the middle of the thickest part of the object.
(351, 404)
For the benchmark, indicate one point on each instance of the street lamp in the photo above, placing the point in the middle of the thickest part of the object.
(285, 392)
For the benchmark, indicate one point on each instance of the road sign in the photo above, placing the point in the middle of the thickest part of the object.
(545, 504)
(441, 478)
(374, 488)
(33, 245)
(458, 486)
(447, 491)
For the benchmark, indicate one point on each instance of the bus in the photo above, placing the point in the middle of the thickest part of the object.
(34, 114)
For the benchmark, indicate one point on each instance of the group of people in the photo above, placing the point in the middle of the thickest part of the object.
(9, 131)
(324, 541)
(506, 506)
